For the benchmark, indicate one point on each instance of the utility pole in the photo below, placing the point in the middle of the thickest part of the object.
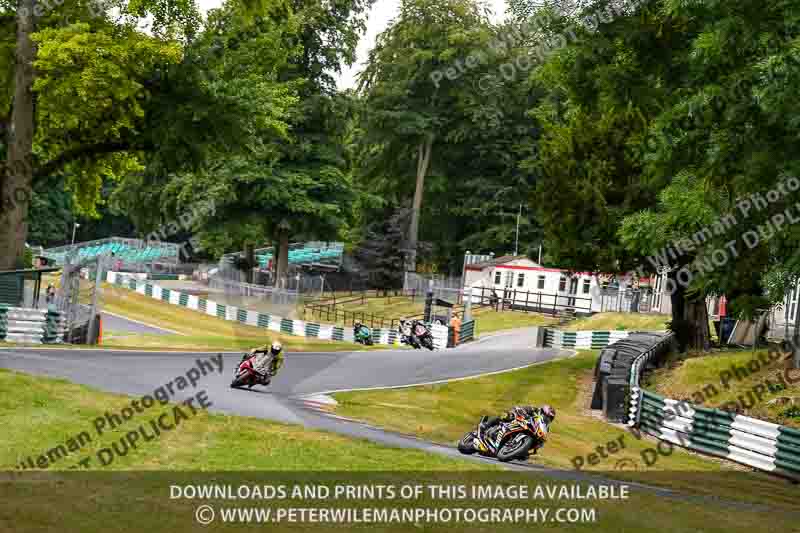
(540, 254)
(516, 240)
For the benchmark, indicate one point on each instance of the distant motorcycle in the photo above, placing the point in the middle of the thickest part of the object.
(247, 374)
(508, 440)
(362, 334)
(415, 334)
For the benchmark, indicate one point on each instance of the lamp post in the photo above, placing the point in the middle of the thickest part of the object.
(516, 239)
(75, 226)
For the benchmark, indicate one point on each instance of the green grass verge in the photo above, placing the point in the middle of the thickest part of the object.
(39, 413)
(744, 380)
(443, 413)
(620, 321)
(200, 331)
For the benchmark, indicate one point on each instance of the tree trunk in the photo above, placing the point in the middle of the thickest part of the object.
(281, 258)
(796, 336)
(697, 318)
(250, 255)
(17, 178)
(423, 161)
(689, 318)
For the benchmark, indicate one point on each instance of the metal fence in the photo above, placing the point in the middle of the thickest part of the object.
(540, 302)
(256, 297)
(626, 301)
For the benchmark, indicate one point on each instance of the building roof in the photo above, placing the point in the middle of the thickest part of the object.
(497, 261)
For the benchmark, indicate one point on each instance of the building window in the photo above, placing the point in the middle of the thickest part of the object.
(509, 278)
(586, 285)
(521, 280)
(497, 278)
(562, 284)
(540, 282)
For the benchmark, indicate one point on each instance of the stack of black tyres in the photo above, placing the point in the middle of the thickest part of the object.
(613, 372)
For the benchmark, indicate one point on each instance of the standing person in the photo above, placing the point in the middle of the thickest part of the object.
(50, 296)
(455, 323)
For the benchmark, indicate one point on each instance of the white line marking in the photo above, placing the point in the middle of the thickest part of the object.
(143, 324)
(440, 381)
(78, 348)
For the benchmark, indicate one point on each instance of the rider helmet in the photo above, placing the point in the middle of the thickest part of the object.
(276, 348)
(549, 413)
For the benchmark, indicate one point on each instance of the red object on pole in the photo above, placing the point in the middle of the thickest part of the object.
(723, 306)
(99, 329)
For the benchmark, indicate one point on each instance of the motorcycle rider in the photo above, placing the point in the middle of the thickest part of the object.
(527, 411)
(269, 360)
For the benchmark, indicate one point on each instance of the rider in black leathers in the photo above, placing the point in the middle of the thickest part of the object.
(547, 412)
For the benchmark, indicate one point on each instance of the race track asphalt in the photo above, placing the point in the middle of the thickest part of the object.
(308, 374)
(304, 373)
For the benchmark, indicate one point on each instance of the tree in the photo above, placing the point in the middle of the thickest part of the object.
(380, 254)
(45, 122)
(606, 90)
(411, 89)
(274, 187)
(730, 128)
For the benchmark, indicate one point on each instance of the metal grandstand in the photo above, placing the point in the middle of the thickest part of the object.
(312, 254)
(125, 252)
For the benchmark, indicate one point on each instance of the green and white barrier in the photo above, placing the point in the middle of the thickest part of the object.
(250, 317)
(587, 340)
(467, 332)
(749, 441)
(31, 326)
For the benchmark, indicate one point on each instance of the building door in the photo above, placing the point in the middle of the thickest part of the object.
(573, 290)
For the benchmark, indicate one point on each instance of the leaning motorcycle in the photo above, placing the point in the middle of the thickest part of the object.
(247, 375)
(363, 335)
(423, 334)
(508, 440)
(416, 334)
(407, 335)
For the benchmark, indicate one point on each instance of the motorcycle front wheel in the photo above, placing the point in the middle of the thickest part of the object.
(240, 380)
(427, 342)
(516, 448)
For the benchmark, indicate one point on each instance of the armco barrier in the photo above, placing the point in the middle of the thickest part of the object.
(254, 318)
(756, 443)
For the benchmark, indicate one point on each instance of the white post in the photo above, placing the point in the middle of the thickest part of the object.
(464, 272)
(516, 240)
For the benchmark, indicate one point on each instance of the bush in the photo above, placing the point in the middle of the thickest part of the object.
(792, 412)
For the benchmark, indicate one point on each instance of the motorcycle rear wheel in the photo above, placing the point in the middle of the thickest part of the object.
(515, 449)
(465, 445)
